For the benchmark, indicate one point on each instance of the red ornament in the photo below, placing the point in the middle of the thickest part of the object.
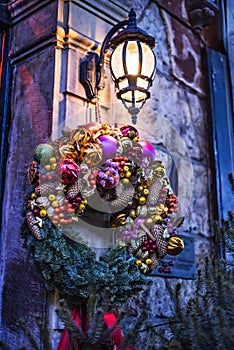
(69, 171)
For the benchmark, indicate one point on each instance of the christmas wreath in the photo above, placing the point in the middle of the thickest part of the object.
(102, 166)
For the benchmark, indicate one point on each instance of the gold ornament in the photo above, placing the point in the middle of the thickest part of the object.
(149, 222)
(175, 245)
(138, 262)
(52, 197)
(118, 220)
(81, 206)
(53, 160)
(68, 151)
(146, 191)
(140, 188)
(55, 204)
(81, 137)
(148, 261)
(142, 200)
(47, 167)
(43, 213)
(33, 195)
(125, 181)
(128, 174)
(132, 213)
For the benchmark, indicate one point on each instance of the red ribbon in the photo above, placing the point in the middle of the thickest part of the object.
(64, 340)
(109, 319)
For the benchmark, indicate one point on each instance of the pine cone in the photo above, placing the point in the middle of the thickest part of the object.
(142, 239)
(46, 189)
(124, 197)
(74, 189)
(155, 261)
(154, 192)
(157, 232)
(33, 225)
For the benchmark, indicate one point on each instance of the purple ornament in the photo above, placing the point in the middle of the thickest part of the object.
(108, 176)
(147, 150)
(109, 146)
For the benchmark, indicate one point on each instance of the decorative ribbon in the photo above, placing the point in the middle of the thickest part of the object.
(109, 319)
(64, 340)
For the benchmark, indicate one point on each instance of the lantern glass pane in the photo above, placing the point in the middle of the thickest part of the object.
(149, 62)
(117, 62)
(127, 96)
(142, 83)
(132, 58)
(123, 84)
(139, 96)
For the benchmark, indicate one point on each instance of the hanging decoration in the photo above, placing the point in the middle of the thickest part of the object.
(120, 170)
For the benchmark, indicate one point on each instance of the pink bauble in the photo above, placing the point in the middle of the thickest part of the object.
(69, 171)
(109, 146)
(147, 150)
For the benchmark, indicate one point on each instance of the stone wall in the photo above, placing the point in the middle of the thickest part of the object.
(32, 58)
(48, 40)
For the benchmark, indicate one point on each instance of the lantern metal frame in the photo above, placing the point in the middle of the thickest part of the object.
(91, 69)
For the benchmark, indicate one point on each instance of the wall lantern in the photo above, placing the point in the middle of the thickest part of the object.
(132, 65)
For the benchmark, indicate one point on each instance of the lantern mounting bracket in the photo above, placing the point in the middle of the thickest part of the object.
(92, 65)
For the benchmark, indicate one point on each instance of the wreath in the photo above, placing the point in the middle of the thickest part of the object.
(92, 168)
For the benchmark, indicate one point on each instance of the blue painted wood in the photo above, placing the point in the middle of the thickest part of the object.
(223, 132)
(222, 121)
(183, 264)
(230, 43)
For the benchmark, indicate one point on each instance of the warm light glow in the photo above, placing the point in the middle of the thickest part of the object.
(117, 62)
(142, 83)
(132, 66)
(123, 84)
(132, 58)
(138, 95)
(148, 62)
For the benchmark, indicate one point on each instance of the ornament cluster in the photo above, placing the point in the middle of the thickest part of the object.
(115, 166)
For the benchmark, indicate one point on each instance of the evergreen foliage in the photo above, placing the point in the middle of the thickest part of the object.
(117, 277)
(73, 269)
(98, 336)
(207, 320)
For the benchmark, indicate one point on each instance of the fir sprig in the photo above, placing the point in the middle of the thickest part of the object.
(73, 269)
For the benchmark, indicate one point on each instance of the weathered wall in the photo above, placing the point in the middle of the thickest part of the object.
(32, 57)
(49, 39)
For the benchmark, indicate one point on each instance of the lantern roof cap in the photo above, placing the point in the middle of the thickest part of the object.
(132, 32)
